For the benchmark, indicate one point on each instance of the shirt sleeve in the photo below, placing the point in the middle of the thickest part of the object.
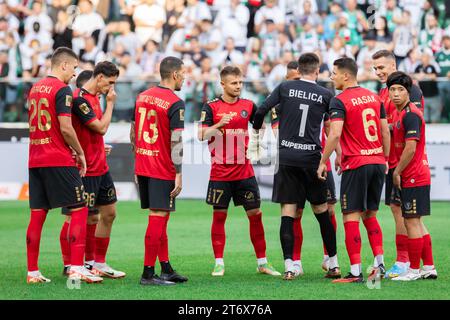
(274, 120)
(63, 101)
(416, 97)
(412, 124)
(337, 110)
(272, 100)
(252, 116)
(176, 115)
(382, 111)
(207, 118)
(83, 110)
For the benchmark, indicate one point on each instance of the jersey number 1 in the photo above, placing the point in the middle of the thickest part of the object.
(153, 126)
(304, 108)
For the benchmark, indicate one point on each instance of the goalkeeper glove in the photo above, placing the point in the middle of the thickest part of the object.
(255, 146)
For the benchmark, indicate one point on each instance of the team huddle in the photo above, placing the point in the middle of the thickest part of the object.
(376, 138)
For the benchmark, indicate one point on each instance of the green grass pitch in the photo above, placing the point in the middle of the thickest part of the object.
(191, 254)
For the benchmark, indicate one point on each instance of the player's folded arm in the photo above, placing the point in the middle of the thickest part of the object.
(83, 110)
(176, 122)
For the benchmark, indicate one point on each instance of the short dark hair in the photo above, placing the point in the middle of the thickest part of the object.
(347, 64)
(308, 63)
(61, 54)
(293, 65)
(400, 78)
(383, 54)
(106, 68)
(168, 66)
(83, 77)
(230, 70)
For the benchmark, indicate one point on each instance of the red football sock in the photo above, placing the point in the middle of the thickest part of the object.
(218, 233)
(333, 222)
(415, 247)
(298, 239)
(427, 251)
(90, 242)
(375, 235)
(353, 241)
(163, 253)
(257, 235)
(64, 242)
(153, 239)
(77, 236)
(101, 247)
(34, 231)
(401, 242)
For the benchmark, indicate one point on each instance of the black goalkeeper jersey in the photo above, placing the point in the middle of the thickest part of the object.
(300, 112)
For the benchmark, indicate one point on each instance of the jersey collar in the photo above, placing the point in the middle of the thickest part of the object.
(306, 80)
(406, 105)
(231, 104)
(85, 91)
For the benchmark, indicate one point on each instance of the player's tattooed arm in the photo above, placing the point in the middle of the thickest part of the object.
(177, 149)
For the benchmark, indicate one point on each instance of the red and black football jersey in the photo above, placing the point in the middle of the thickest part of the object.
(228, 150)
(361, 140)
(410, 125)
(48, 99)
(415, 96)
(158, 111)
(86, 109)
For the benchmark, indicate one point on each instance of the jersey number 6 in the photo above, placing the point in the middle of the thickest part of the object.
(370, 123)
(153, 126)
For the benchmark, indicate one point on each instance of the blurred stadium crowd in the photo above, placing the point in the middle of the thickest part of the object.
(262, 37)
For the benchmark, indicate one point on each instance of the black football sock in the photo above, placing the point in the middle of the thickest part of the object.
(287, 236)
(166, 267)
(148, 272)
(327, 231)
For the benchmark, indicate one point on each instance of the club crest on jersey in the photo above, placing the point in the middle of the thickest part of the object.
(244, 114)
(84, 108)
(398, 125)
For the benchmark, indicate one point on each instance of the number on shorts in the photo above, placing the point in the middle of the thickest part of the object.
(217, 195)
